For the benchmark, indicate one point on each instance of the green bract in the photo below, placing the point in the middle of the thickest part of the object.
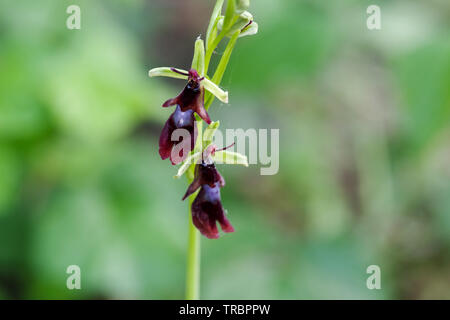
(212, 27)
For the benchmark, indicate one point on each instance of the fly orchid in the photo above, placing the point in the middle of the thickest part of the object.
(195, 153)
(207, 207)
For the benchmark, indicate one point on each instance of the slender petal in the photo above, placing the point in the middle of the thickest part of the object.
(215, 90)
(192, 188)
(168, 72)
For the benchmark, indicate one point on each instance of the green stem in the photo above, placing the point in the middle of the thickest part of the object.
(220, 71)
(210, 50)
(193, 254)
(217, 40)
(193, 251)
(193, 259)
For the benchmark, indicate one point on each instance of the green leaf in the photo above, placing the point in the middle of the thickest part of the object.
(230, 157)
(198, 143)
(212, 27)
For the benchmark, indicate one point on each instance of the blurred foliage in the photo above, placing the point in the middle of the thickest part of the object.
(364, 159)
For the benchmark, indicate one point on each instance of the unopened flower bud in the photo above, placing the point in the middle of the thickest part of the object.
(249, 30)
(245, 19)
(242, 5)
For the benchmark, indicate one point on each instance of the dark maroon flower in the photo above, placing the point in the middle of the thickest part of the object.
(178, 120)
(207, 210)
(205, 174)
(192, 96)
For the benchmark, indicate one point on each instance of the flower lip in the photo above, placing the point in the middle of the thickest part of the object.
(179, 119)
(207, 210)
(183, 119)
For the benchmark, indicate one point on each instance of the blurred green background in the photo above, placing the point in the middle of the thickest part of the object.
(364, 119)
